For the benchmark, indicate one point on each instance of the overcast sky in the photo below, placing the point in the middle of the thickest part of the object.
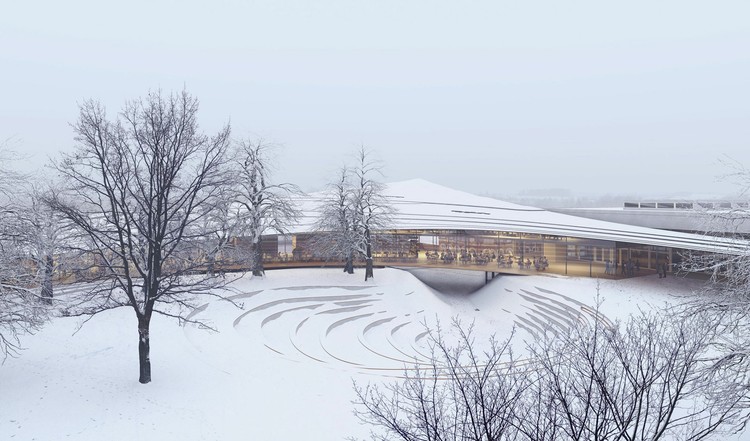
(491, 97)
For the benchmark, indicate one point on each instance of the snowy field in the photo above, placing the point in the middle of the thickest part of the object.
(280, 368)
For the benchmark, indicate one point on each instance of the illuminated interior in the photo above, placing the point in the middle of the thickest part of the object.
(491, 251)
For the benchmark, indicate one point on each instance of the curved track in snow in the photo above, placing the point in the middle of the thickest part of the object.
(365, 328)
(338, 325)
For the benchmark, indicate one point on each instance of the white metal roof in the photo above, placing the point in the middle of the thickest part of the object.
(422, 204)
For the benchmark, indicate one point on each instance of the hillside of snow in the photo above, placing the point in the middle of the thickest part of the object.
(281, 366)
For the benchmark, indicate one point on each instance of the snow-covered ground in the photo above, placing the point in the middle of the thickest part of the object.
(281, 367)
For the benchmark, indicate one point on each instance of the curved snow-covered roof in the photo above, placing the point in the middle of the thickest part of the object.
(424, 205)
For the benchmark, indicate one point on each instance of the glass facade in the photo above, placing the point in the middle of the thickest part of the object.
(491, 251)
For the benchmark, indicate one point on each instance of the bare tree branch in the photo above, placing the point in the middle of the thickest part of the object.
(137, 188)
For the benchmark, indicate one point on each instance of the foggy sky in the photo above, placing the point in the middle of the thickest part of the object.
(490, 97)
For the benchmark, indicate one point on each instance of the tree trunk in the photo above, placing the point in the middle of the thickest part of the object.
(211, 257)
(211, 264)
(368, 257)
(256, 260)
(349, 266)
(144, 349)
(368, 268)
(47, 289)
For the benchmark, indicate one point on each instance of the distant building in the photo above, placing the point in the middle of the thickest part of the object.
(686, 216)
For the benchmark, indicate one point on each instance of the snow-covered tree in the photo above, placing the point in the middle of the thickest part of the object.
(134, 186)
(727, 295)
(372, 211)
(646, 379)
(266, 206)
(463, 394)
(223, 221)
(336, 237)
(44, 234)
(353, 209)
(21, 308)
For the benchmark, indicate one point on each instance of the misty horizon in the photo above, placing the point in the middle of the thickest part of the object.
(487, 97)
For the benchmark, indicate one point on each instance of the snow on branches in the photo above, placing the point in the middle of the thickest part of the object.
(353, 209)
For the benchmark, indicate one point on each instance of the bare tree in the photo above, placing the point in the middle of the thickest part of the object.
(371, 209)
(352, 211)
(134, 186)
(645, 380)
(267, 206)
(21, 309)
(727, 295)
(336, 236)
(223, 221)
(43, 234)
(463, 394)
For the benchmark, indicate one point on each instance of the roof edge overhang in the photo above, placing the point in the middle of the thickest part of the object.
(422, 205)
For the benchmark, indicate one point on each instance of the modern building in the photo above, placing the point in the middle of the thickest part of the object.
(436, 226)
